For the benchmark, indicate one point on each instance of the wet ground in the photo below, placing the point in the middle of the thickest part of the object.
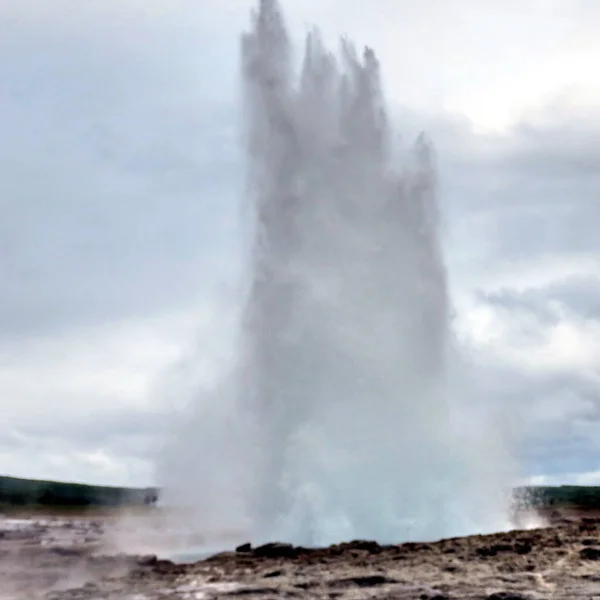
(60, 558)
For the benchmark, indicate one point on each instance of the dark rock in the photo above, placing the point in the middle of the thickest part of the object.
(368, 545)
(493, 550)
(363, 581)
(66, 551)
(167, 567)
(90, 585)
(590, 553)
(523, 548)
(589, 541)
(507, 596)
(588, 524)
(276, 550)
(250, 590)
(277, 573)
(306, 585)
(146, 561)
(244, 548)
(410, 546)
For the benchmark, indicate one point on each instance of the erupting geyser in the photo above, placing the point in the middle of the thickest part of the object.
(345, 415)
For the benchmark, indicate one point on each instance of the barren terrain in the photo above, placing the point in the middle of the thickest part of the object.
(62, 558)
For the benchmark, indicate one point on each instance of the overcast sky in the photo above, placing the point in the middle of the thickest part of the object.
(120, 177)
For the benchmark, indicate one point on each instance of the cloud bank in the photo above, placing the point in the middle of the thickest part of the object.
(120, 177)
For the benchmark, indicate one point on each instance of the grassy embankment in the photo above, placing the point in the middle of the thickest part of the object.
(579, 496)
(29, 494)
(32, 494)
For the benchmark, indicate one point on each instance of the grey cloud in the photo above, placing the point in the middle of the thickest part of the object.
(532, 193)
(559, 141)
(119, 180)
(576, 295)
(521, 304)
(556, 413)
(121, 170)
(117, 176)
(553, 417)
(125, 434)
(569, 445)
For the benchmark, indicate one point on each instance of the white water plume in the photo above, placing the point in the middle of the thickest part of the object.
(347, 413)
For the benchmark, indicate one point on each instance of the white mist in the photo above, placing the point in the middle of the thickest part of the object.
(347, 412)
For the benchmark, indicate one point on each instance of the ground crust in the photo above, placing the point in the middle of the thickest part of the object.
(70, 559)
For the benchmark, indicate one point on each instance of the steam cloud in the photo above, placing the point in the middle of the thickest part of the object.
(348, 411)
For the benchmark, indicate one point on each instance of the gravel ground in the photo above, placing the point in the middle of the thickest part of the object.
(78, 559)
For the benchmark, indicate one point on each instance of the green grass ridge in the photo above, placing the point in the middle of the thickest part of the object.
(15, 491)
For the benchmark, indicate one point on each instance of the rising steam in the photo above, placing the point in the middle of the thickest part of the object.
(346, 413)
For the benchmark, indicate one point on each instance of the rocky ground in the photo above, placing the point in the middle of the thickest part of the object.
(76, 559)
